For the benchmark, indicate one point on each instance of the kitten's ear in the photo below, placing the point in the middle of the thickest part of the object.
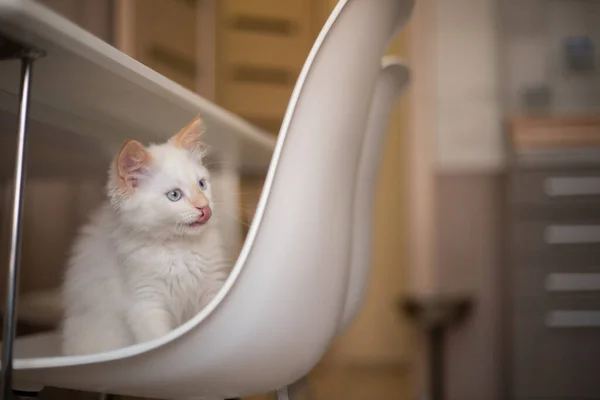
(189, 137)
(131, 163)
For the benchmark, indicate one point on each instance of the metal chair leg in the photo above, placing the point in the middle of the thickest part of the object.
(299, 390)
(27, 59)
(20, 395)
(105, 396)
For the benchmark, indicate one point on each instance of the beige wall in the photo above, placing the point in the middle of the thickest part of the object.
(470, 214)
(456, 191)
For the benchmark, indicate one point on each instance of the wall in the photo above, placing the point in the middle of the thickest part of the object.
(470, 162)
(469, 136)
(95, 16)
(469, 211)
(458, 158)
(533, 33)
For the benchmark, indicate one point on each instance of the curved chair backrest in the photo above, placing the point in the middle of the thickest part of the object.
(283, 303)
(288, 300)
(392, 80)
(291, 293)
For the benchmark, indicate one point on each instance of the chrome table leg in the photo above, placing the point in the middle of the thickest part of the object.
(9, 318)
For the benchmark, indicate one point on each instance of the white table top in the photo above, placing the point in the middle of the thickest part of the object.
(87, 89)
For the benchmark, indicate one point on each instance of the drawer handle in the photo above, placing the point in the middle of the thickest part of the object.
(572, 186)
(573, 319)
(189, 3)
(171, 59)
(572, 234)
(266, 75)
(264, 25)
(572, 282)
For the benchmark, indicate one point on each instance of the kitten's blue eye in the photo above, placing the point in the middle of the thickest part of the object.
(174, 195)
(202, 184)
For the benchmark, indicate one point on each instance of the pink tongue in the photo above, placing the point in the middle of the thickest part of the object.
(206, 214)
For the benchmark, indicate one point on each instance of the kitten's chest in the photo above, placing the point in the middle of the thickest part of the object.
(180, 276)
(186, 264)
(174, 265)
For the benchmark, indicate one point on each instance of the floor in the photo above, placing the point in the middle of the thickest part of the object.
(336, 382)
(327, 382)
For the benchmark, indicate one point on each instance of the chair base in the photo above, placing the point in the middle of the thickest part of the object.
(299, 390)
(24, 395)
(435, 314)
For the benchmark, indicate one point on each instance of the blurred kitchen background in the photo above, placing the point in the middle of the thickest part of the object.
(488, 194)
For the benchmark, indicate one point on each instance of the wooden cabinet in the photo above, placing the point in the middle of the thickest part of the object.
(161, 34)
(554, 275)
(166, 38)
(244, 54)
(262, 45)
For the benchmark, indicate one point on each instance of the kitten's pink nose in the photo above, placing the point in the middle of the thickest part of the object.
(205, 214)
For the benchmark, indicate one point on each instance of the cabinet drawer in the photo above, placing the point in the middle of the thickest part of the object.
(555, 244)
(252, 49)
(557, 349)
(539, 282)
(567, 186)
(241, 99)
(165, 32)
(293, 10)
(167, 23)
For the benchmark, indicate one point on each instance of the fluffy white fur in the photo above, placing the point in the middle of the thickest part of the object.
(144, 264)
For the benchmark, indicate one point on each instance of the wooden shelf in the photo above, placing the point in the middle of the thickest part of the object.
(554, 133)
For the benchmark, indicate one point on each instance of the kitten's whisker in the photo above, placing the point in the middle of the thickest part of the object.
(235, 217)
(217, 163)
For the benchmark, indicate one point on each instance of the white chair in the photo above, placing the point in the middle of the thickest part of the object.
(391, 83)
(285, 299)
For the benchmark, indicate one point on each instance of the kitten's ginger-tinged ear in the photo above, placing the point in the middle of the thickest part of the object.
(131, 163)
(189, 137)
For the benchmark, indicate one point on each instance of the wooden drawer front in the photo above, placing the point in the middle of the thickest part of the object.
(259, 50)
(262, 47)
(242, 99)
(571, 238)
(566, 187)
(569, 282)
(557, 281)
(557, 348)
(293, 10)
(561, 234)
(166, 38)
(267, 33)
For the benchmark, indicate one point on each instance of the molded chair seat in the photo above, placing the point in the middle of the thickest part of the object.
(287, 296)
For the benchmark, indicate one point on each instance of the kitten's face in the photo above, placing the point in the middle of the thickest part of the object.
(163, 190)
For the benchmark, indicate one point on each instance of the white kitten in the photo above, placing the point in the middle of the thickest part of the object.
(151, 258)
